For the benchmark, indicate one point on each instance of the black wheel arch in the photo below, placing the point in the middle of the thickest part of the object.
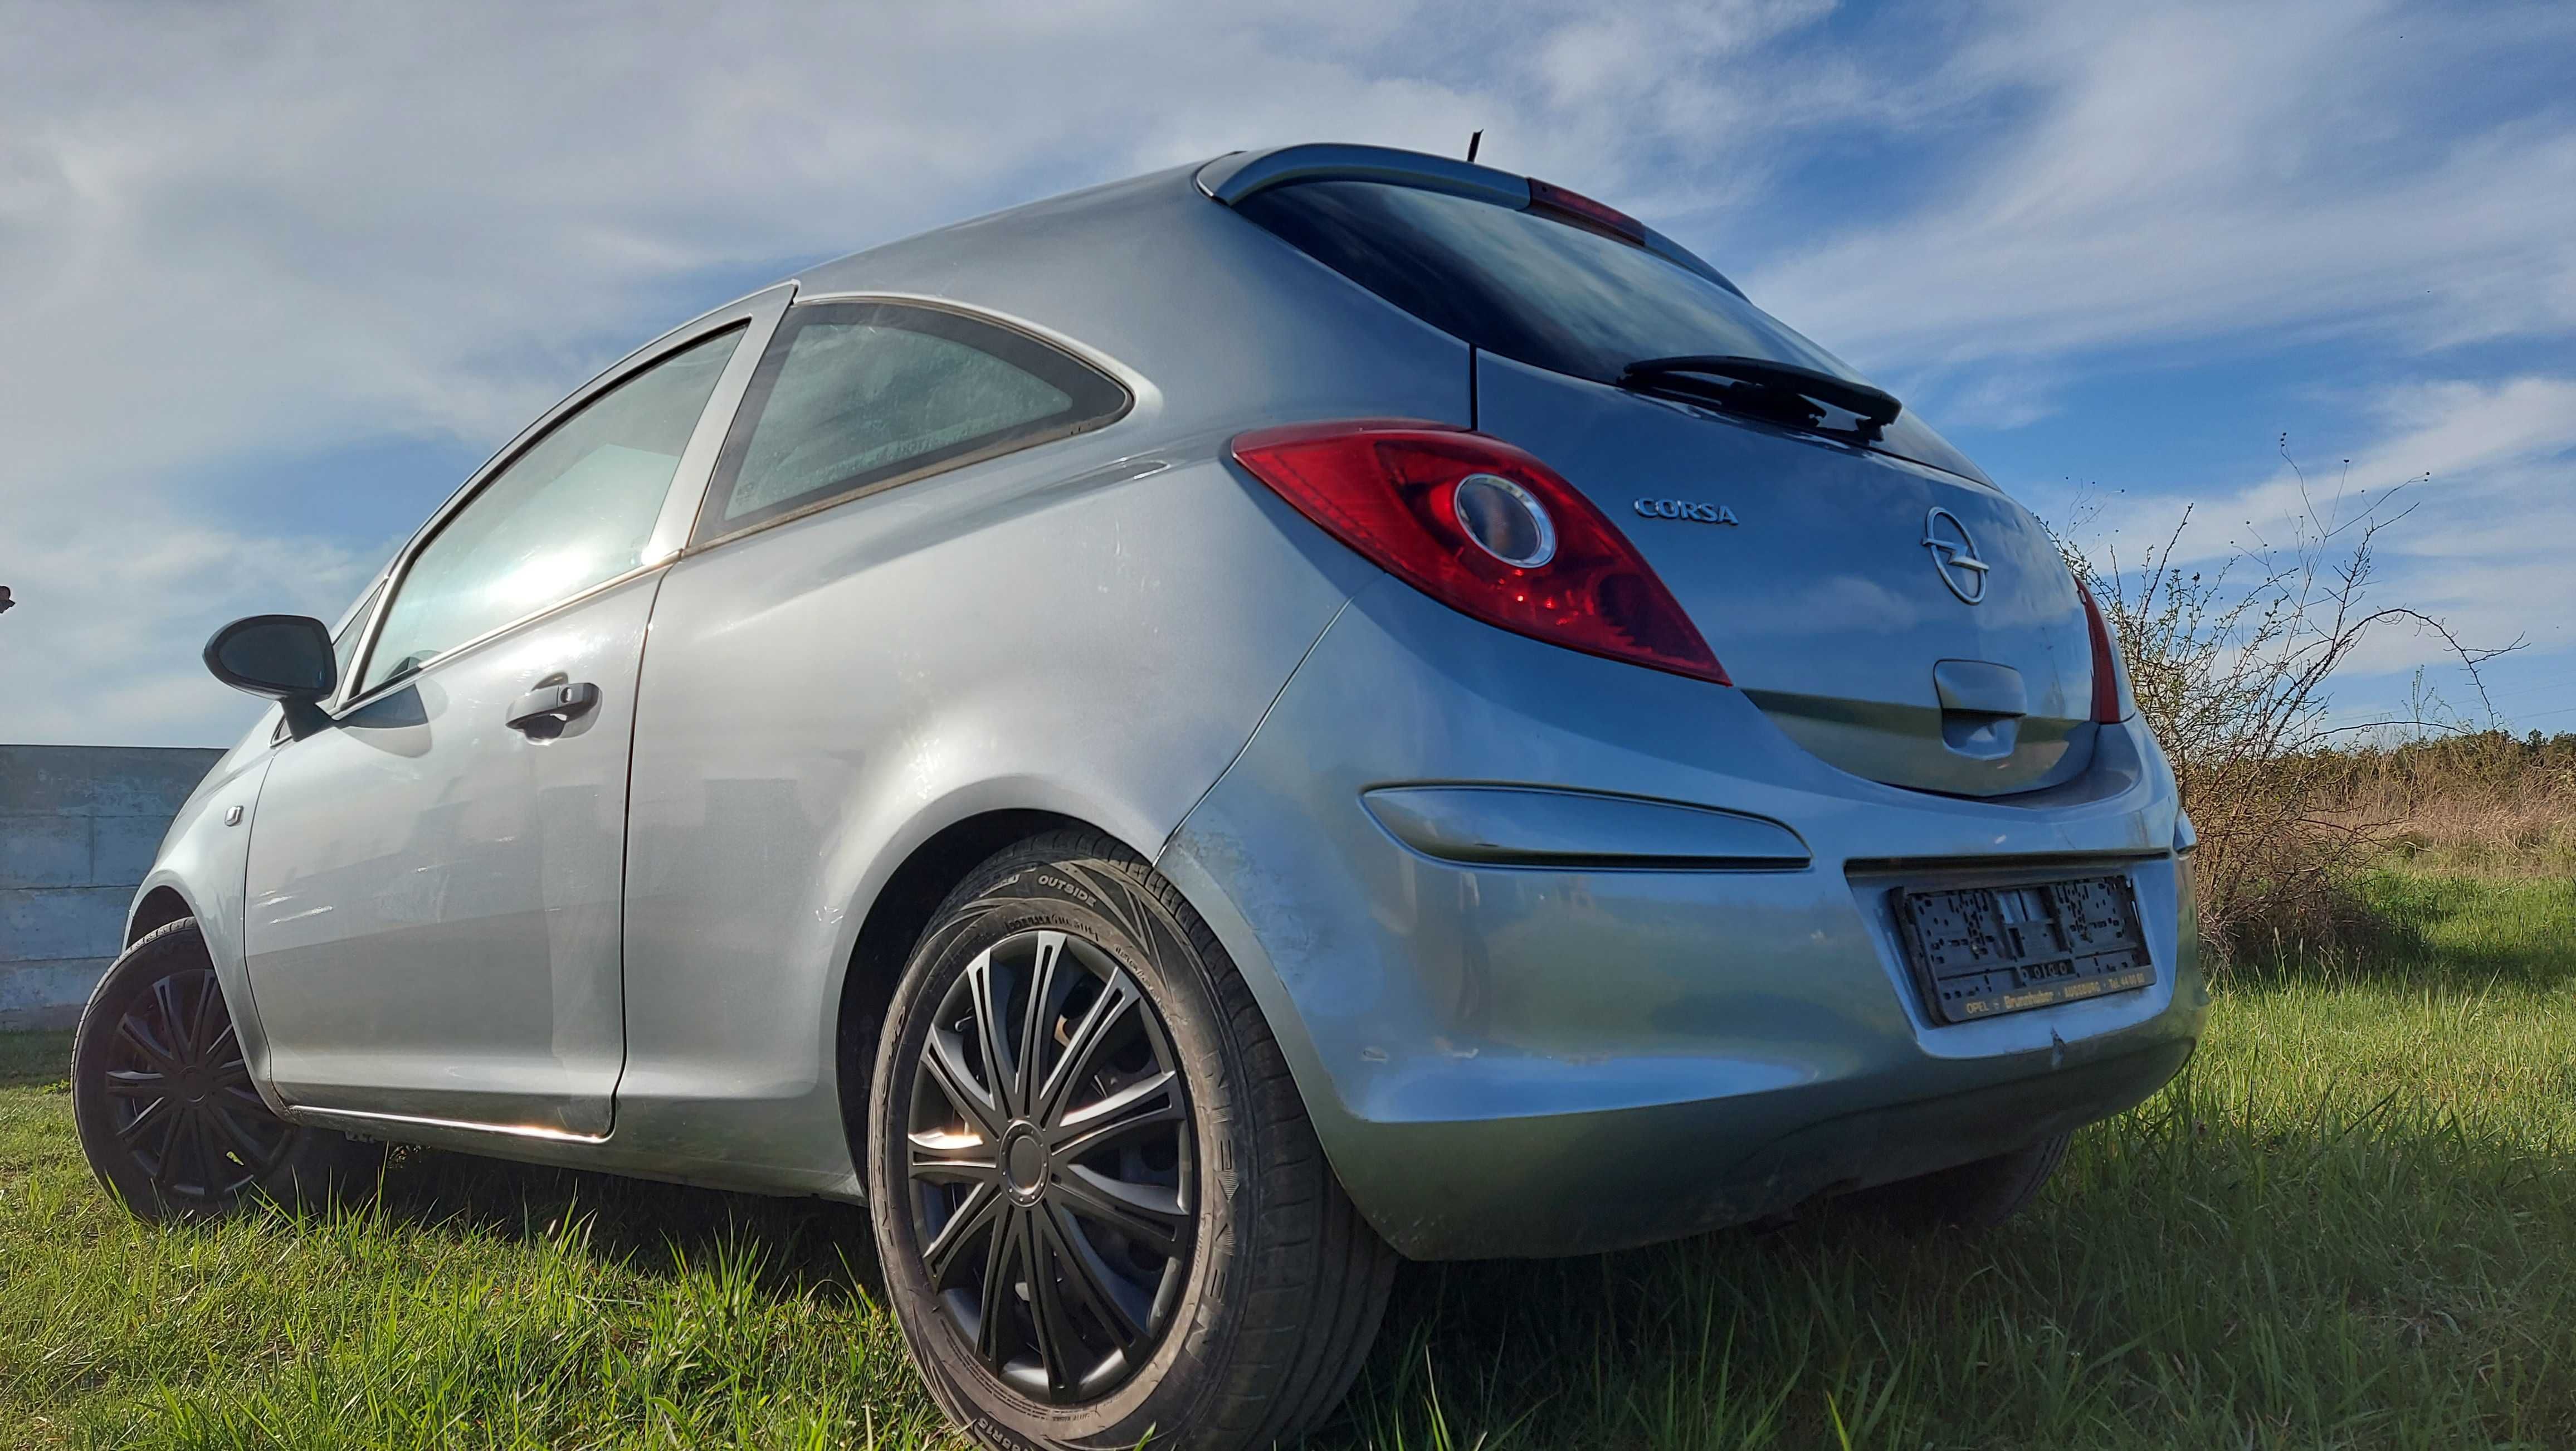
(159, 908)
(895, 920)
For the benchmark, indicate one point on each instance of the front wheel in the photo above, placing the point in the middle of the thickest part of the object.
(1101, 1210)
(163, 1099)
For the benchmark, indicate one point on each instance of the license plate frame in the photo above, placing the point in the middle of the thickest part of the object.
(1993, 949)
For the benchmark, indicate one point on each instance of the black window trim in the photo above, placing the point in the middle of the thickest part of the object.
(711, 529)
(352, 698)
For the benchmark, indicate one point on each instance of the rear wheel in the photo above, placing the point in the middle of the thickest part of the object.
(1101, 1210)
(1979, 1195)
(163, 1098)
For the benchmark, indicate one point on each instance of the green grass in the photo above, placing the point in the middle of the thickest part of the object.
(2351, 1224)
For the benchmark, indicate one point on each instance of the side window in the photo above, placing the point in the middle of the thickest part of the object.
(574, 509)
(855, 396)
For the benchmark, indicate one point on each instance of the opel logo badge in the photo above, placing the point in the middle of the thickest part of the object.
(1954, 555)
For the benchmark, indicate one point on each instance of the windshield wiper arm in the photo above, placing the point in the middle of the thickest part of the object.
(1874, 407)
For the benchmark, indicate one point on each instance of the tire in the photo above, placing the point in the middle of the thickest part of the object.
(1979, 1195)
(164, 1103)
(1203, 1278)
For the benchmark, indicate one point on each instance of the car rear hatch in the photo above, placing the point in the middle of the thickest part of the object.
(1906, 625)
(1886, 606)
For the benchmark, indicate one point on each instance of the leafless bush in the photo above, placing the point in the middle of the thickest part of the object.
(2231, 665)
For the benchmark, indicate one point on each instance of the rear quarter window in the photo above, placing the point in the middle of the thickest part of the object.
(852, 397)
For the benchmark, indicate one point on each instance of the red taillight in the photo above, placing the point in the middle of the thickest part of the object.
(1583, 211)
(2106, 666)
(1389, 489)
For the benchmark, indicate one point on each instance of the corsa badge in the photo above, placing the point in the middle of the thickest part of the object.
(1685, 510)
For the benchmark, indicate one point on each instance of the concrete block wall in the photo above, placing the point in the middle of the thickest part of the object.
(78, 827)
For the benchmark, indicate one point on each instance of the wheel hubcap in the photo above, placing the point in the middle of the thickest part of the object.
(1051, 1167)
(180, 1097)
(1024, 1163)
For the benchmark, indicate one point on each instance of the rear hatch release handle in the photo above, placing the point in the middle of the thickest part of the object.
(1982, 704)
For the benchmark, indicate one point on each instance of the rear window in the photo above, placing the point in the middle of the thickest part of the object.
(1540, 291)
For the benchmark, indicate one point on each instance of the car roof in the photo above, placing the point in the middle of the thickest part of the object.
(1077, 241)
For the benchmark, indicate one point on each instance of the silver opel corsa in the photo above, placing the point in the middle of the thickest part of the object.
(1184, 742)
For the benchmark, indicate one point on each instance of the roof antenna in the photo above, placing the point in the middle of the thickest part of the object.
(1474, 141)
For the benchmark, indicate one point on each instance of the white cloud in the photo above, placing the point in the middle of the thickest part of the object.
(261, 230)
(265, 230)
(115, 609)
(2476, 485)
(2192, 171)
(2001, 396)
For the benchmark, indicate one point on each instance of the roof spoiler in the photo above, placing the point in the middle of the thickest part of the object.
(1239, 174)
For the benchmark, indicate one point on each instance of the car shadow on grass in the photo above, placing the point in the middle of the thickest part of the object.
(1489, 1341)
(2444, 933)
(784, 1246)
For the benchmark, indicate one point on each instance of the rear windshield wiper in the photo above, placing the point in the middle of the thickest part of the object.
(1760, 386)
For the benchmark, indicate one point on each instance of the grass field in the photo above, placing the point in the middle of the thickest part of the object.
(2351, 1224)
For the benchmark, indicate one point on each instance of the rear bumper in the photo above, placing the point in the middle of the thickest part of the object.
(1524, 1045)
(1577, 1183)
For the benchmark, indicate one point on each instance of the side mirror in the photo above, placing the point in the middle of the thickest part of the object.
(285, 658)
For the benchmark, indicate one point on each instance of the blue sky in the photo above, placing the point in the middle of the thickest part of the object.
(278, 277)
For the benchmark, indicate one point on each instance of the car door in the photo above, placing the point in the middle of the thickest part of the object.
(434, 883)
(801, 650)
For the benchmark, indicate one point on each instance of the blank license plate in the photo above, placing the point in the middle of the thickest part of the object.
(1979, 952)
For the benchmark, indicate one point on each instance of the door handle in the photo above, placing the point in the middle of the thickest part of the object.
(542, 713)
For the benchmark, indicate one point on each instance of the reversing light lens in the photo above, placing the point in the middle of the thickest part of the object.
(1504, 520)
(1485, 529)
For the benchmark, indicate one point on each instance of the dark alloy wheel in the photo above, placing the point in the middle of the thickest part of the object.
(1103, 1214)
(1052, 1166)
(179, 1094)
(162, 1094)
